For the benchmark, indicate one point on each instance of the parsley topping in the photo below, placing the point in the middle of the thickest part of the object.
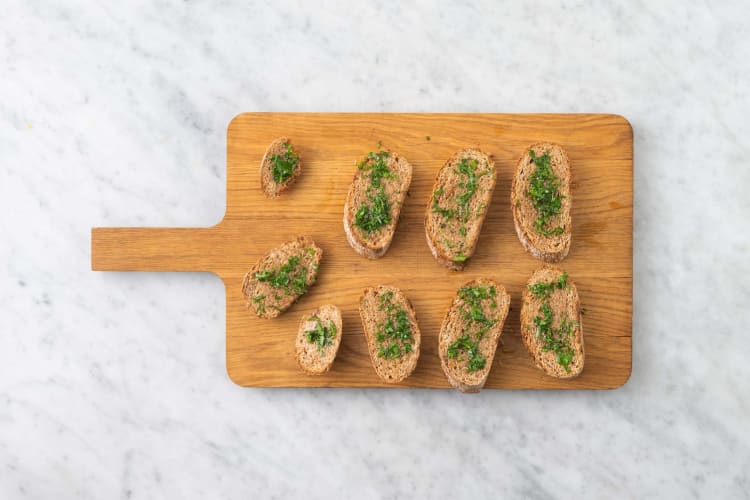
(290, 279)
(322, 336)
(542, 290)
(260, 306)
(373, 216)
(469, 174)
(394, 334)
(467, 169)
(553, 339)
(284, 165)
(544, 191)
(477, 324)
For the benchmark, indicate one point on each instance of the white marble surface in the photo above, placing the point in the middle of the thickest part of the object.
(114, 113)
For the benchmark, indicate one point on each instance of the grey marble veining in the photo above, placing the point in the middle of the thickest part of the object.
(114, 385)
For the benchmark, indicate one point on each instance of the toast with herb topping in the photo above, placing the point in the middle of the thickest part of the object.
(460, 199)
(392, 332)
(541, 202)
(318, 339)
(374, 201)
(470, 333)
(280, 167)
(551, 326)
(282, 276)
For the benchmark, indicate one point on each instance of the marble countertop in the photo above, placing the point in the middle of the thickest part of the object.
(114, 384)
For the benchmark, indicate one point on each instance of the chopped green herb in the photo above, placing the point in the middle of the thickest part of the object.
(290, 277)
(477, 325)
(322, 336)
(467, 169)
(373, 216)
(284, 165)
(553, 339)
(460, 258)
(543, 290)
(395, 333)
(544, 191)
(475, 359)
(462, 230)
(260, 306)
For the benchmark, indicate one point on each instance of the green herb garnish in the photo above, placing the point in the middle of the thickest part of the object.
(373, 216)
(543, 290)
(260, 305)
(290, 277)
(394, 335)
(322, 336)
(477, 325)
(544, 191)
(467, 187)
(553, 339)
(475, 359)
(284, 165)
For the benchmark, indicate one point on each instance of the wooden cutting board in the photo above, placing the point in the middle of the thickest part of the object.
(260, 352)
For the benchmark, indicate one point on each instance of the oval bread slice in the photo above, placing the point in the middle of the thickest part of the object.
(386, 312)
(547, 247)
(282, 153)
(318, 339)
(282, 276)
(460, 199)
(471, 331)
(553, 333)
(369, 240)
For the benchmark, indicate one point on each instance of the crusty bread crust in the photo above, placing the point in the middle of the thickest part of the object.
(267, 184)
(252, 287)
(480, 202)
(376, 245)
(391, 371)
(553, 248)
(308, 356)
(564, 301)
(450, 330)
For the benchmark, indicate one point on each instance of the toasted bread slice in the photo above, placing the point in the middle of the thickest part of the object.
(460, 199)
(282, 276)
(280, 167)
(393, 337)
(374, 201)
(541, 203)
(470, 333)
(551, 323)
(318, 339)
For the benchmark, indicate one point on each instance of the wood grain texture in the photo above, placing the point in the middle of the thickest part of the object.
(260, 352)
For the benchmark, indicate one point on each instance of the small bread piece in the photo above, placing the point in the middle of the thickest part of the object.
(546, 236)
(282, 276)
(551, 323)
(318, 339)
(373, 203)
(393, 337)
(460, 199)
(280, 167)
(470, 333)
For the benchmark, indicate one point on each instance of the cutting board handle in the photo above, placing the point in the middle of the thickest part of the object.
(154, 249)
